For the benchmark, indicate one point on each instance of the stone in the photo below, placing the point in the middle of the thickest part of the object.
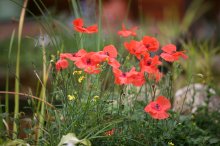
(189, 98)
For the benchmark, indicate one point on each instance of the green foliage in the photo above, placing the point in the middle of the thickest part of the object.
(200, 61)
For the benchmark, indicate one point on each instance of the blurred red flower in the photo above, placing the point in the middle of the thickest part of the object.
(109, 54)
(110, 51)
(150, 43)
(158, 109)
(126, 32)
(131, 77)
(136, 48)
(89, 62)
(61, 64)
(121, 77)
(149, 64)
(138, 78)
(170, 54)
(79, 26)
(110, 132)
(73, 56)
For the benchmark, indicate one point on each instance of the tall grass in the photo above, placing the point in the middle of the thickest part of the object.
(75, 8)
(46, 72)
(7, 77)
(99, 25)
(17, 74)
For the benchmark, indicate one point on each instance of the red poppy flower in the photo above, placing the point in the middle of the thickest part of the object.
(79, 26)
(158, 109)
(73, 56)
(150, 43)
(136, 48)
(170, 54)
(126, 32)
(149, 64)
(61, 64)
(131, 77)
(109, 51)
(89, 62)
(109, 54)
(120, 77)
(110, 132)
(138, 79)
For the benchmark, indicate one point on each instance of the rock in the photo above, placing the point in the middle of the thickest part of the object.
(216, 65)
(189, 98)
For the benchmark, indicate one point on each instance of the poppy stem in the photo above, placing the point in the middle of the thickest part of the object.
(136, 98)
(120, 99)
(154, 92)
(187, 90)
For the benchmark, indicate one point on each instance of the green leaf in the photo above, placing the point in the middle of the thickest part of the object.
(213, 140)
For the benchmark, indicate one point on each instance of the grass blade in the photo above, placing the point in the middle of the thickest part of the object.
(99, 26)
(7, 77)
(16, 108)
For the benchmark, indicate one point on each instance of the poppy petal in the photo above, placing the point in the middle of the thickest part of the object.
(111, 50)
(160, 116)
(92, 29)
(78, 22)
(61, 64)
(170, 48)
(164, 102)
(114, 63)
(180, 54)
(167, 57)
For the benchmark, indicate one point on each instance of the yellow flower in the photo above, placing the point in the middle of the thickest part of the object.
(106, 59)
(95, 98)
(170, 143)
(71, 97)
(77, 72)
(81, 79)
